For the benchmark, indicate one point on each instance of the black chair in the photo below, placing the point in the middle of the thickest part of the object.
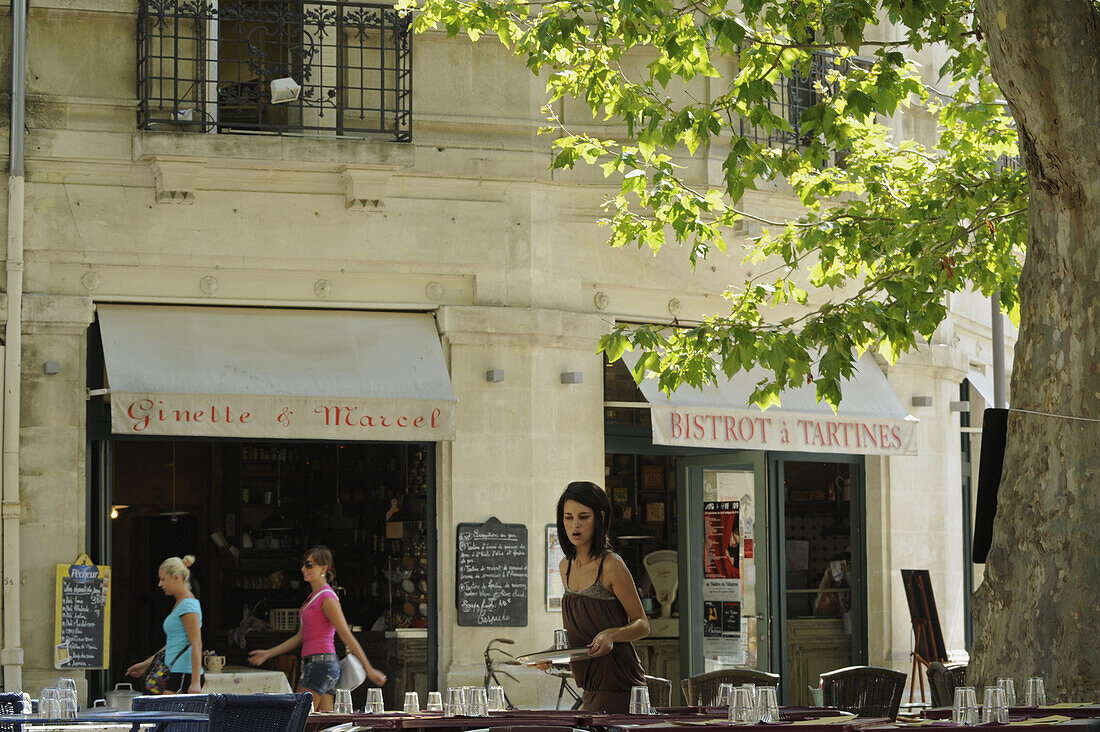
(867, 691)
(942, 681)
(259, 712)
(174, 703)
(660, 691)
(702, 690)
(10, 703)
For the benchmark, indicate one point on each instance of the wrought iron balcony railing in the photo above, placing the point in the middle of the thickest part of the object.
(798, 94)
(207, 66)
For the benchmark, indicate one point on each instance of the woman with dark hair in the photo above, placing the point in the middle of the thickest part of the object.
(601, 609)
(321, 618)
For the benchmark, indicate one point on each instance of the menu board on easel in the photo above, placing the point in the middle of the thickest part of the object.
(82, 619)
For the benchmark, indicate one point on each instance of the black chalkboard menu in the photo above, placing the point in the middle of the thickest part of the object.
(82, 622)
(491, 574)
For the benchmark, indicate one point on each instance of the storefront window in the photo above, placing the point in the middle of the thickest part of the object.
(247, 511)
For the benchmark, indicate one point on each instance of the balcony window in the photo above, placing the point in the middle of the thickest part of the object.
(798, 94)
(208, 66)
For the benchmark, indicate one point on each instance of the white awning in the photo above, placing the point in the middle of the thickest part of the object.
(981, 384)
(268, 373)
(869, 421)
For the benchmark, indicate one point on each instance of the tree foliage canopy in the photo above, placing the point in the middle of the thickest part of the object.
(800, 94)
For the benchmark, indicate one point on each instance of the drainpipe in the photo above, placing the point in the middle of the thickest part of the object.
(997, 325)
(12, 654)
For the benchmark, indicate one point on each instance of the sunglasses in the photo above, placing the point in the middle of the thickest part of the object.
(308, 563)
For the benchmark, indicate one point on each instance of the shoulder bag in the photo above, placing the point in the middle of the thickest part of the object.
(156, 676)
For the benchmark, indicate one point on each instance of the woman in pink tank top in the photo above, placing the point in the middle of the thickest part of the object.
(321, 618)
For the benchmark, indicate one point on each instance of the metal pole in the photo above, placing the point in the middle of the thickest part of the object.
(12, 654)
(1000, 401)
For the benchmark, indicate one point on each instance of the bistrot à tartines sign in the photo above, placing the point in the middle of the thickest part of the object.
(751, 429)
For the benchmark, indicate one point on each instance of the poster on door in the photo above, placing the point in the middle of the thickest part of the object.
(722, 582)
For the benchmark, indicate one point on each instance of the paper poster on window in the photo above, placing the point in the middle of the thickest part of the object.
(554, 587)
(722, 527)
(722, 592)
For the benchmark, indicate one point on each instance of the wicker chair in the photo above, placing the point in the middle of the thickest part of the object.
(867, 691)
(702, 690)
(259, 712)
(10, 703)
(174, 703)
(942, 681)
(660, 691)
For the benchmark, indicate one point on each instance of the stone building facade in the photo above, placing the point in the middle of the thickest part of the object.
(464, 222)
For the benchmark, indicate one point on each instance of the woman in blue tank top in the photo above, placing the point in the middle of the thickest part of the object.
(182, 628)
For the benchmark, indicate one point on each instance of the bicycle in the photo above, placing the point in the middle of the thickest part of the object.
(491, 666)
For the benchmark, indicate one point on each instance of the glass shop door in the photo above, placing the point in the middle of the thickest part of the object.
(725, 611)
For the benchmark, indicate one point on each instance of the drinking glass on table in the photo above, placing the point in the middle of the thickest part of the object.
(375, 703)
(751, 688)
(639, 700)
(435, 702)
(456, 702)
(66, 703)
(412, 701)
(48, 706)
(342, 701)
(66, 695)
(965, 710)
(1010, 690)
(725, 691)
(1036, 692)
(994, 708)
(767, 705)
(496, 699)
(742, 706)
(477, 703)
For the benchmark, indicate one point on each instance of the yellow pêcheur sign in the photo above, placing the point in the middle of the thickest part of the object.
(82, 620)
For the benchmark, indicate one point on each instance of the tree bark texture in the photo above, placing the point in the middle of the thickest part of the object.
(1038, 611)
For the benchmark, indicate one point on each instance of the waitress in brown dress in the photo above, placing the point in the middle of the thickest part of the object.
(601, 609)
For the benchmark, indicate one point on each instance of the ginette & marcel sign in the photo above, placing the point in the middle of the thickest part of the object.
(261, 416)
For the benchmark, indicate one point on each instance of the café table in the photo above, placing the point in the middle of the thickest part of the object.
(830, 723)
(437, 720)
(1071, 710)
(93, 721)
(245, 680)
(678, 718)
(59, 725)
(1048, 723)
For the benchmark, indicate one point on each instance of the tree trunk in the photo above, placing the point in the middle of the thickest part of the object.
(1038, 611)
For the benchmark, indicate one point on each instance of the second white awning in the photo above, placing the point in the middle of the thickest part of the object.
(276, 374)
(870, 420)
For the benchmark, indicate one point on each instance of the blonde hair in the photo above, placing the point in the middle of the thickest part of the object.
(179, 566)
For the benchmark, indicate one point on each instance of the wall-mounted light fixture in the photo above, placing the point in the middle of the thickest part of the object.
(572, 377)
(960, 406)
(51, 367)
(494, 375)
(922, 401)
(284, 90)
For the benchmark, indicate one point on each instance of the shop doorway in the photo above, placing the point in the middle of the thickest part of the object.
(726, 606)
(247, 510)
(820, 547)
